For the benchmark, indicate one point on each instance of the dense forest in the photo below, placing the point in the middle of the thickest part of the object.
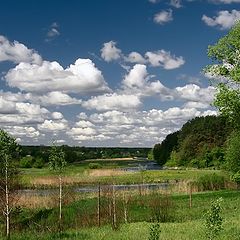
(200, 143)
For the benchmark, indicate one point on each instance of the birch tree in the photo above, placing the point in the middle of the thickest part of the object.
(8, 176)
(57, 164)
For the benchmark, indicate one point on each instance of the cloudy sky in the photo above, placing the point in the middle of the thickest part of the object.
(109, 72)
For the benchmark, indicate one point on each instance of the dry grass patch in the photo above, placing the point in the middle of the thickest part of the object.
(106, 173)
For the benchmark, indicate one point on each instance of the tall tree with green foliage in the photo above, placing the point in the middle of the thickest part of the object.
(8, 176)
(57, 164)
(162, 151)
(225, 71)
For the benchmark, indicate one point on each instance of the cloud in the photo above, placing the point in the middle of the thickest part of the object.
(53, 98)
(225, 1)
(53, 32)
(176, 3)
(134, 57)
(136, 77)
(190, 79)
(53, 125)
(110, 52)
(164, 59)
(57, 115)
(224, 19)
(17, 52)
(163, 17)
(158, 58)
(84, 124)
(80, 77)
(112, 102)
(192, 92)
(136, 82)
(22, 131)
(24, 113)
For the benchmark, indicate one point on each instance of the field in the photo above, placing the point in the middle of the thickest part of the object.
(188, 223)
(109, 171)
(36, 215)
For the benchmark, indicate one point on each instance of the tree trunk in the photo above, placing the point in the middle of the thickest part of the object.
(114, 208)
(60, 201)
(190, 196)
(7, 212)
(125, 202)
(99, 205)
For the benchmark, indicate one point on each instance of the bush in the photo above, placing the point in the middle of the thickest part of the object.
(26, 162)
(233, 152)
(94, 165)
(39, 163)
(213, 220)
(154, 231)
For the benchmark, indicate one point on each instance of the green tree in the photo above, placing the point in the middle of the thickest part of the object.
(8, 175)
(162, 151)
(232, 153)
(57, 164)
(225, 71)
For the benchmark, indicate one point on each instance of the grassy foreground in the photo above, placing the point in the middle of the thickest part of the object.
(134, 231)
(188, 223)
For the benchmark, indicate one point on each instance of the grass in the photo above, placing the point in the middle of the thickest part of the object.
(78, 173)
(186, 224)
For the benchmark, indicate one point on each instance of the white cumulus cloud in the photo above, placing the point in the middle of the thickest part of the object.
(164, 59)
(110, 52)
(163, 17)
(224, 19)
(82, 76)
(112, 102)
(17, 52)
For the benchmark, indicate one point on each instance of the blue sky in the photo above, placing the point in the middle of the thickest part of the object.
(106, 73)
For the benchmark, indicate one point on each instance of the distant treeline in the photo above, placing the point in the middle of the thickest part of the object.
(200, 143)
(74, 154)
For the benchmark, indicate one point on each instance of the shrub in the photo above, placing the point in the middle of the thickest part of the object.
(39, 163)
(94, 165)
(232, 153)
(26, 162)
(154, 231)
(213, 220)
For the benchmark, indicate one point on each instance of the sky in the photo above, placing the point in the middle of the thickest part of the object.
(116, 73)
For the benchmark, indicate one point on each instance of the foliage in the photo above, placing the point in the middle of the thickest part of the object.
(8, 177)
(210, 182)
(94, 165)
(162, 151)
(213, 220)
(199, 143)
(236, 177)
(232, 155)
(154, 231)
(76, 153)
(150, 155)
(228, 102)
(9, 150)
(226, 72)
(38, 163)
(57, 159)
(26, 162)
